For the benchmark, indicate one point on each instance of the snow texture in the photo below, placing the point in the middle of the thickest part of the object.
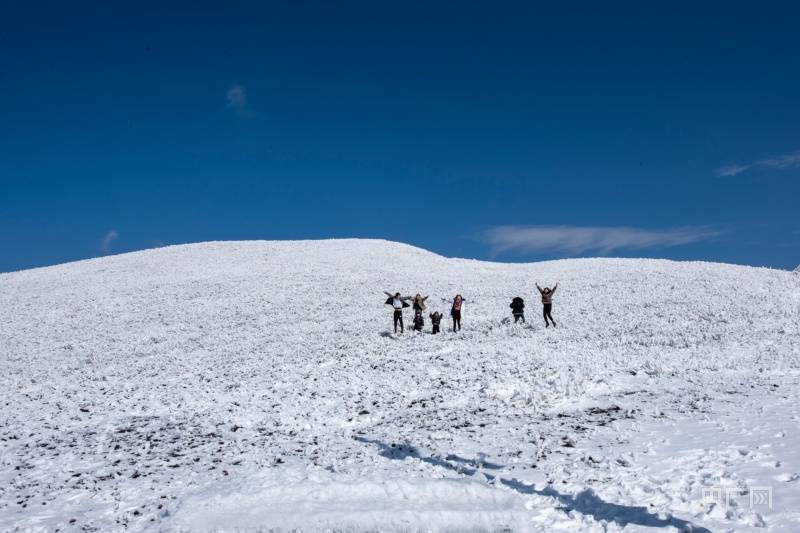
(258, 386)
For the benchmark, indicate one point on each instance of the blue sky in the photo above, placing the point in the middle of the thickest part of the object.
(512, 131)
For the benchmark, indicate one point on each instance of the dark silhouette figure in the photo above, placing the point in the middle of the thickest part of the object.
(518, 309)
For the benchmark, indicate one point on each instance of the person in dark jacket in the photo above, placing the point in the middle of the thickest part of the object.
(518, 309)
(419, 321)
(547, 303)
(419, 303)
(398, 303)
(455, 312)
(436, 319)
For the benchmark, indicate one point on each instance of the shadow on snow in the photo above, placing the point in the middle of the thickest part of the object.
(585, 502)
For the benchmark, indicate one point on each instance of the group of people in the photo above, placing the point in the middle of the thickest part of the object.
(400, 302)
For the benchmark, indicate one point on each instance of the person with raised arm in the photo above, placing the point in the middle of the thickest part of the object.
(419, 303)
(455, 312)
(436, 319)
(398, 303)
(547, 304)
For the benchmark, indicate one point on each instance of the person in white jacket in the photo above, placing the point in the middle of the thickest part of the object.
(397, 302)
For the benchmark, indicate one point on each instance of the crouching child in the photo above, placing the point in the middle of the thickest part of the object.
(419, 322)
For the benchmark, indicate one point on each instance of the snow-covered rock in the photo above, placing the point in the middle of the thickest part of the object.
(254, 384)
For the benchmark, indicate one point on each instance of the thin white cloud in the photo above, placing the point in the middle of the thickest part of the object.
(731, 170)
(782, 162)
(237, 98)
(108, 240)
(575, 240)
(785, 161)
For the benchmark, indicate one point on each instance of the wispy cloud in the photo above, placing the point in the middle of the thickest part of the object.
(237, 98)
(785, 161)
(731, 170)
(578, 240)
(791, 160)
(108, 240)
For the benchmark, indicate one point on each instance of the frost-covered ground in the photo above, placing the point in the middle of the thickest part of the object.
(256, 385)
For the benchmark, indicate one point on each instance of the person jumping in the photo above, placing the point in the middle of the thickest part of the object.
(398, 303)
(547, 303)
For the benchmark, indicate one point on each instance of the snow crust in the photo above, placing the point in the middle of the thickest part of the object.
(258, 385)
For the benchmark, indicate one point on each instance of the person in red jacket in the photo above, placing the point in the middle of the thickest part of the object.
(547, 303)
(455, 312)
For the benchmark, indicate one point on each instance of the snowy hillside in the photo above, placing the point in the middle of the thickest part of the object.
(257, 385)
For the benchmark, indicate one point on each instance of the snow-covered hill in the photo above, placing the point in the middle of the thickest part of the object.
(258, 384)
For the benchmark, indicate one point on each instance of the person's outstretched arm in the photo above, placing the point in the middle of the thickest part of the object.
(555, 287)
(389, 294)
(538, 287)
(424, 298)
